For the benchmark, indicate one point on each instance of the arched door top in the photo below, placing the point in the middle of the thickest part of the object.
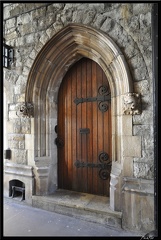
(65, 48)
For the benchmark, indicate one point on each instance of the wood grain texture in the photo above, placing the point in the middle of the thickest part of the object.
(81, 81)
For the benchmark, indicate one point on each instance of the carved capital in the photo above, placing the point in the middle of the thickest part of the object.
(131, 104)
(26, 110)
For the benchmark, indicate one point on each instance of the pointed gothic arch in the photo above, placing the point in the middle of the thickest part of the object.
(68, 46)
(65, 48)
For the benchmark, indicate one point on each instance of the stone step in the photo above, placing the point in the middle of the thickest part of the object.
(84, 206)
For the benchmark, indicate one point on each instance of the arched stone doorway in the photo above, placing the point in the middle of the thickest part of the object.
(64, 49)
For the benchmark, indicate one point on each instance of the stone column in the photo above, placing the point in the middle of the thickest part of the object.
(42, 180)
(115, 187)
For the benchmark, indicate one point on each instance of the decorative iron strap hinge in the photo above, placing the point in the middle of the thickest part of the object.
(93, 99)
(79, 164)
(104, 166)
(104, 97)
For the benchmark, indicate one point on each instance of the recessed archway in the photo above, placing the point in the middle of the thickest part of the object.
(65, 48)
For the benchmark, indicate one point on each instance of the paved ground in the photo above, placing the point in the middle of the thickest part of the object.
(22, 220)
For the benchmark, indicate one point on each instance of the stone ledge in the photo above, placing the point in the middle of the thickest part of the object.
(136, 185)
(18, 169)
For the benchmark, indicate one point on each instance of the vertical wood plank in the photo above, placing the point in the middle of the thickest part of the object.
(61, 135)
(84, 122)
(100, 129)
(81, 81)
(68, 131)
(74, 128)
(107, 135)
(95, 126)
(79, 124)
(89, 136)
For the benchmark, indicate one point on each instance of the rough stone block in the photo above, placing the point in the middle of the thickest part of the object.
(20, 41)
(17, 89)
(17, 128)
(50, 32)
(148, 154)
(33, 54)
(19, 98)
(16, 9)
(16, 137)
(142, 87)
(44, 38)
(144, 170)
(12, 115)
(6, 12)
(29, 7)
(11, 35)
(26, 70)
(40, 6)
(21, 80)
(26, 125)
(29, 38)
(13, 144)
(35, 14)
(89, 16)
(148, 142)
(29, 62)
(145, 118)
(142, 130)
(20, 156)
(26, 29)
(26, 18)
(10, 23)
(21, 144)
(99, 20)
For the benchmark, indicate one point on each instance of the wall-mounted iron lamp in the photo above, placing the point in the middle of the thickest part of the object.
(7, 55)
(7, 153)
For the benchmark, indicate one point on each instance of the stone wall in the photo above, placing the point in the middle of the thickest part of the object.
(29, 26)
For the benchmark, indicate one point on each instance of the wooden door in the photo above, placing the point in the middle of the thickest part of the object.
(84, 129)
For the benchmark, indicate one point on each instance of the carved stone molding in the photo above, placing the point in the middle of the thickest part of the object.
(132, 104)
(26, 110)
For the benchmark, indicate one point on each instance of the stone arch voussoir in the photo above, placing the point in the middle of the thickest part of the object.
(51, 64)
(68, 46)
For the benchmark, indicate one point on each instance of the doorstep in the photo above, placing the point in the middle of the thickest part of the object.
(84, 206)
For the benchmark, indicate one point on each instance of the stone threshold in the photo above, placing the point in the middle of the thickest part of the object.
(84, 206)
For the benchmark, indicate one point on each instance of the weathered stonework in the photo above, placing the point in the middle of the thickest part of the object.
(28, 27)
(23, 173)
(139, 193)
(132, 104)
(26, 110)
(141, 170)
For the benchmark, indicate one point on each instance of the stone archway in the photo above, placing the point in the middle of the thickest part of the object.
(65, 48)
